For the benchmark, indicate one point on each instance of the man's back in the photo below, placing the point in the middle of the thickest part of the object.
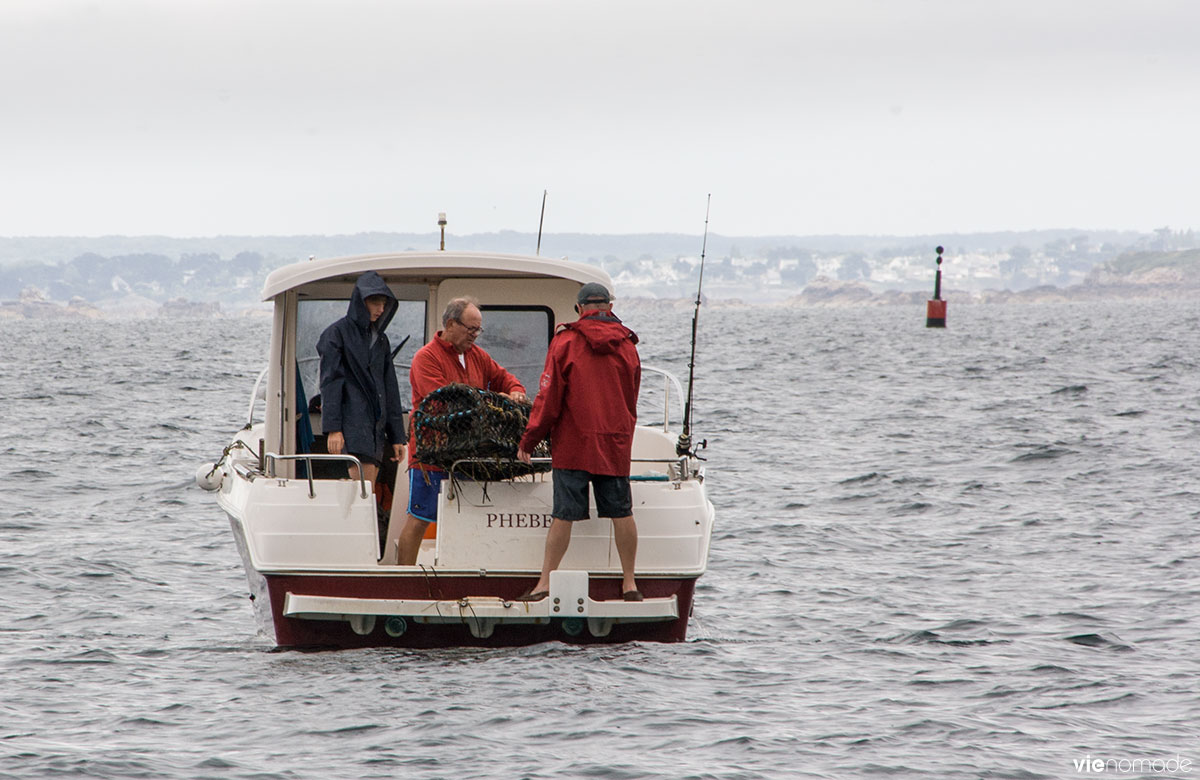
(587, 396)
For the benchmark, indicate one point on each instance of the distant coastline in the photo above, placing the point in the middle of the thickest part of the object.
(189, 278)
(827, 293)
(819, 293)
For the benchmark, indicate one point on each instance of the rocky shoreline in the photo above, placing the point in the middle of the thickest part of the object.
(832, 293)
(827, 292)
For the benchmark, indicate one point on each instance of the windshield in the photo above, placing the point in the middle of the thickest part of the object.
(517, 338)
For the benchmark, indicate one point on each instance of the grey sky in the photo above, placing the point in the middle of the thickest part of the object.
(189, 118)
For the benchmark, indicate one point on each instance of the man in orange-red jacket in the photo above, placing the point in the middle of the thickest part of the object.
(587, 404)
(451, 356)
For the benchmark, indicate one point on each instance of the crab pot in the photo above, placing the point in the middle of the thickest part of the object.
(457, 423)
(935, 313)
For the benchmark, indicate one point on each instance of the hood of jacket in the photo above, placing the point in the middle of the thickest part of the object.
(371, 283)
(602, 330)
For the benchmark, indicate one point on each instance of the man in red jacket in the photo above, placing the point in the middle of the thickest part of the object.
(587, 403)
(451, 356)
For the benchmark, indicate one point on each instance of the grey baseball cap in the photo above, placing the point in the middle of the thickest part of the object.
(593, 292)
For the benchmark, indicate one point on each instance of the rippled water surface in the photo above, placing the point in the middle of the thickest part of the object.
(958, 554)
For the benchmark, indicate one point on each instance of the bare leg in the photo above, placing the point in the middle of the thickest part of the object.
(370, 471)
(558, 538)
(626, 537)
(410, 540)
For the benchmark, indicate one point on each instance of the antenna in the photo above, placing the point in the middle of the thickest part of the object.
(540, 221)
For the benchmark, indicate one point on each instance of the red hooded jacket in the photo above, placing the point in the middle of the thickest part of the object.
(587, 396)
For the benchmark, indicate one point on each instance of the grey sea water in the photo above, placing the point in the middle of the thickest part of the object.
(968, 553)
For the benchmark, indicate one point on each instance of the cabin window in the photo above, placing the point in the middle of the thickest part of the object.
(314, 316)
(517, 338)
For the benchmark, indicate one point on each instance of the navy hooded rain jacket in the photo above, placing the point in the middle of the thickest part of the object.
(359, 393)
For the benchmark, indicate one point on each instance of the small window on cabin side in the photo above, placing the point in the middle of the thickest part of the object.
(517, 338)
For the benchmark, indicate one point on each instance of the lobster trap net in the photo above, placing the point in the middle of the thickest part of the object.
(473, 433)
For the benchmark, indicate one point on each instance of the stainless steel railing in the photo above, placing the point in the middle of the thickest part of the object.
(308, 457)
(669, 381)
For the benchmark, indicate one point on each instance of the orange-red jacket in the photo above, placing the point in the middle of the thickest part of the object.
(436, 365)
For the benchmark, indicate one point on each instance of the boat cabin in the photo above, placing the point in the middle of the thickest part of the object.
(522, 300)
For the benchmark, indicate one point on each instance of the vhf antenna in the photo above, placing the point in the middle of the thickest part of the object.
(540, 221)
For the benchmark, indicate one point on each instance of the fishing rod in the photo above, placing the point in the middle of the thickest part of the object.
(684, 445)
(540, 221)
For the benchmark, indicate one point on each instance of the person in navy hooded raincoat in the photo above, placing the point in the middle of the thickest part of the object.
(361, 410)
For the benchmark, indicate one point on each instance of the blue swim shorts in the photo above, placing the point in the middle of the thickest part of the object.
(423, 493)
(613, 496)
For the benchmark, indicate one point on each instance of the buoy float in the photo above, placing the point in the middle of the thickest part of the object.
(935, 314)
(209, 476)
(935, 309)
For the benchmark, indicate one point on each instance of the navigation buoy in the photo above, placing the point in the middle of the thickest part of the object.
(935, 309)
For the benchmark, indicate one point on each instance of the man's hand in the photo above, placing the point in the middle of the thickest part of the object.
(398, 450)
(335, 443)
(523, 456)
(519, 397)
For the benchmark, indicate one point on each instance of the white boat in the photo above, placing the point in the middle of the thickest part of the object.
(323, 571)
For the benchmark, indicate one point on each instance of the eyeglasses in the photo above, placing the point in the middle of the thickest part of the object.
(472, 331)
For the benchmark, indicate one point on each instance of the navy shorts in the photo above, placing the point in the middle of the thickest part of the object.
(367, 459)
(422, 495)
(613, 497)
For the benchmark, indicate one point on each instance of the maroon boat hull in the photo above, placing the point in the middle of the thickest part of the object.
(309, 633)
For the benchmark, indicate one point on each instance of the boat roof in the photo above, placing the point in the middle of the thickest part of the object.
(439, 264)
